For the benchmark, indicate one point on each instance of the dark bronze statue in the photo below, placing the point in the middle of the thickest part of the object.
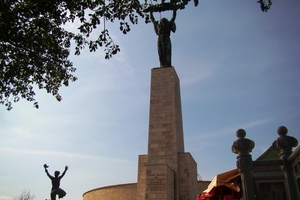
(163, 29)
(56, 190)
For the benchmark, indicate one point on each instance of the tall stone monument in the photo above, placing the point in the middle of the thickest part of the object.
(167, 172)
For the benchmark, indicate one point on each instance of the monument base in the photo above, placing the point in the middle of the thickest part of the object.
(159, 183)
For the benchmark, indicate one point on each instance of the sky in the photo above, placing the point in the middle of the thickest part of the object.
(238, 67)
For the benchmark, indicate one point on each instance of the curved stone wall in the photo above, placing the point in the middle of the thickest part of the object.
(123, 191)
(113, 192)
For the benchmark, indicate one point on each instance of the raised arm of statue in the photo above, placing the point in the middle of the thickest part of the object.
(46, 170)
(172, 22)
(174, 16)
(152, 17)
(66, 168)
(155, 23)
(51, 177)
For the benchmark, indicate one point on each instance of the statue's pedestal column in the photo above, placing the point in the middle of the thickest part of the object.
(165, 121)
(165, 140)
(167, 172)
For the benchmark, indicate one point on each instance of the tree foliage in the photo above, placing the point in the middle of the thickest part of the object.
(35, 46)
(25, 195)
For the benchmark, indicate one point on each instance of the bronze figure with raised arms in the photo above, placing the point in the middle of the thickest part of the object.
(163, 30)
(56, 190)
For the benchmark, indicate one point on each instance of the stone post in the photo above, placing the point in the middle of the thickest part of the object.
(242, 147)
(284, 144)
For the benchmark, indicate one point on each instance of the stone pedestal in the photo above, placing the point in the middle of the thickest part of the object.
(160, 182)
(167, 172)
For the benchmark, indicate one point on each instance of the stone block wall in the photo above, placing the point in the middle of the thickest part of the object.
(187, 171)
(141, 184)
(124, 192)
(114, 192)
(159, 182)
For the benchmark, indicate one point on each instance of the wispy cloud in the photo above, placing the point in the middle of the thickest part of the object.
(57, 154)
(21, 132)
(5, 198)
(231, 130)
(195, 78)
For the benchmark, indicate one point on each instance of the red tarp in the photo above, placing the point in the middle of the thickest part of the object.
(220, 191)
